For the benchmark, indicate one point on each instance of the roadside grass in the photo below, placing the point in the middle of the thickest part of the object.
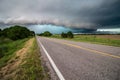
(4, 40)
(31, 68)
(92, 39)
(8, 49)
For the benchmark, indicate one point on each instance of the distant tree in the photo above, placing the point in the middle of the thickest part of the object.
(47, 33)
(32, 33)
(70, 34)
(41, 34)
(64, 35)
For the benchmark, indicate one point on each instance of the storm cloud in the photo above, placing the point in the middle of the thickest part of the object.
(88, 14)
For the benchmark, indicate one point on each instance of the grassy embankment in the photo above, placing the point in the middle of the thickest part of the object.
(32, 69)
(22, 61)
(112, 40)
(8, 49)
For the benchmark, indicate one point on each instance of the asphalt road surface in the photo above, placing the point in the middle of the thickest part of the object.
(82, 61)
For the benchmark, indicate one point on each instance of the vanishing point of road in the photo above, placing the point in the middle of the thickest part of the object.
(81, 61)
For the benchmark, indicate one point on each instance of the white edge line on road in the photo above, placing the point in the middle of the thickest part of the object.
(52, 62)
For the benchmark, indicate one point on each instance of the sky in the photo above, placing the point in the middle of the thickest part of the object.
(73, 14)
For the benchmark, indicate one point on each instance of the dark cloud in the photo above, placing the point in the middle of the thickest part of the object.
(107, 14)
(110, 14)
(86, 14)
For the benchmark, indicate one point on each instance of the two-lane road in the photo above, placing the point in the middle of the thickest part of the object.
(83, 61)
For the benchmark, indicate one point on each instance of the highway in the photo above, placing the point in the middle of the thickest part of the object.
(79, 60)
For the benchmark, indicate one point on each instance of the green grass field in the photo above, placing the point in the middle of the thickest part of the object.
(8, 49)
(93, 39)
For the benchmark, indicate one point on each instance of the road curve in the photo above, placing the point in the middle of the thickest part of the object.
(83, 61)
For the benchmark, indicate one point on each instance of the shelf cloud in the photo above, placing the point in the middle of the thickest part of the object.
(88, 14)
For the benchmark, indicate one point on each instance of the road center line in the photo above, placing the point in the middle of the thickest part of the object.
(91, 50)
(52, 62)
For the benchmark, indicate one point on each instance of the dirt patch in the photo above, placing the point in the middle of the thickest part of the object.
(10, 69)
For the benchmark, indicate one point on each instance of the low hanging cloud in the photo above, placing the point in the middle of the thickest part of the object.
(90, 14)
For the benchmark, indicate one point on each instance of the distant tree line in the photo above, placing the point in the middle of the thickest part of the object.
(69, 34)
(16, 32)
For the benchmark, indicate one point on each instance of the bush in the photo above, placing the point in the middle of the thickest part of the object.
(41, 34)
(64, 35)
(3, 50)
(32, 33)
(67, 35)
(70, 34)
(4, 40)
(47, 33)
